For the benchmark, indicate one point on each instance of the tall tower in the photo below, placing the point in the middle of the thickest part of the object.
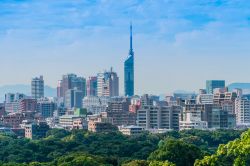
(129, 69)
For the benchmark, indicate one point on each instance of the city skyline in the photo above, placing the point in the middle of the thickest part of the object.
(183, 43)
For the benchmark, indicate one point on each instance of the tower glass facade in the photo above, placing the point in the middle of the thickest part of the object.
(212, 84)
(129, 70)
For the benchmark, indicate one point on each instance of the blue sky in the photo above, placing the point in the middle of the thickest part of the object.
(178, 44)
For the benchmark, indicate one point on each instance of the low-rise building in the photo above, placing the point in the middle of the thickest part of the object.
(131, 130)
(66, 121)
(46, 107)
(36, 130)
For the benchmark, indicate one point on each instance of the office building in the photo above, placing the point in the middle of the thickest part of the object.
(71, 81)
(73, 98)
(46, 107)
(129, 69)
(91, 86)
(37, 87)
(213, 84)
(108, 84)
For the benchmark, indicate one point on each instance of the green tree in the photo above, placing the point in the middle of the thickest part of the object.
(176, 151)
(235, 153)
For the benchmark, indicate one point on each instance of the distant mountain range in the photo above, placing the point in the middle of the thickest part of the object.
(23, 88)
(244, 86)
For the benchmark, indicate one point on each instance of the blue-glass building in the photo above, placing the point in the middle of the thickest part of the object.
(212, 84)
(129, 69)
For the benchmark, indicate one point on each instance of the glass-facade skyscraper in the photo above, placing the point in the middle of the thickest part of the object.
(129, 69)
(212, 84)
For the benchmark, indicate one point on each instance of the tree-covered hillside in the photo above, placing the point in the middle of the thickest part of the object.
(64, 148)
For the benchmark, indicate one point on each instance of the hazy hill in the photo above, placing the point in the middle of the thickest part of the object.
(26, 89)
(244, 86)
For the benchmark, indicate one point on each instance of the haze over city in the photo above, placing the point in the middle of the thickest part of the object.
(177, 44)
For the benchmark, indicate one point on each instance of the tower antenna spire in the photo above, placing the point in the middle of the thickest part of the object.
(131, 37)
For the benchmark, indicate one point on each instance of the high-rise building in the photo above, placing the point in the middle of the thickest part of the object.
(92, 86)
(46, 107)
(213, 84)
(71, 81)
(73, 98)
(37, 87)
(129, 69)
(108, 84)
(59, 89)
(242, 111)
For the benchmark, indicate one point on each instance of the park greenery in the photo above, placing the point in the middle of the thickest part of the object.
(83, 148)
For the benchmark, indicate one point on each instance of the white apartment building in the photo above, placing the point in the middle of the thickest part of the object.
(205, 99)
(154, 117)
(192, 120)
(242, 111)
(95, 104)
(131, 130)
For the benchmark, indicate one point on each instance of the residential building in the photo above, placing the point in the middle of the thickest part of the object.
(192, 116)
(14, 120)
(27, 105)
(158, 117)
(205, 99)
(192, 120)
(37, 87)
(66, 121)
(131, 130)
(118, 110)
(100, 123)
(242, 110)
(36, 130)
(80, 123)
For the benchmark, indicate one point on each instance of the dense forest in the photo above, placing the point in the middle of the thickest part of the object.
(78, 147)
